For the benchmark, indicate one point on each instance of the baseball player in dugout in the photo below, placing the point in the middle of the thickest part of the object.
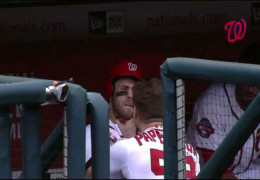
(141, 157)
(123, 76)
(215, 113)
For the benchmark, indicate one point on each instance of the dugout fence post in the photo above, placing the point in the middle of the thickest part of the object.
(25, 93)
(215, 71)
(169, 125)
(76, 123)
(99, 135)
(31, 141)
(65, 146)
(31, 93)
(52, 146)
(5, 147)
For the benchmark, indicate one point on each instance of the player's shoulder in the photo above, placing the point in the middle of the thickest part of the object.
(216, 87)
(126, 144)
(213, 91)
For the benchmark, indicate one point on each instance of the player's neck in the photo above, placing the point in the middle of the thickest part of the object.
(143, 126)
(112, 118)
(127, 128)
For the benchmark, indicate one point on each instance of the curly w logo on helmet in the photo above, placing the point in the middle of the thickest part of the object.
(123, 68)
(132, 67)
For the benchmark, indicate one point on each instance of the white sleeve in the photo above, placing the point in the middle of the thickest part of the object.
(118, 160)
(203, 122)
(191, 130)
(113, 136)
(88, 143)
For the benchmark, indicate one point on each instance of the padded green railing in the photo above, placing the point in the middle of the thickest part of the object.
(31, 93)
(216, 71)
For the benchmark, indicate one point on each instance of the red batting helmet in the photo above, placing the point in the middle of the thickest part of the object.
(124, 68)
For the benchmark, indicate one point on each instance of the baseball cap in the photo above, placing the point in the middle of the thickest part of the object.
(124, 68)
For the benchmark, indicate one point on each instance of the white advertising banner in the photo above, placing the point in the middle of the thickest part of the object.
(78, 22)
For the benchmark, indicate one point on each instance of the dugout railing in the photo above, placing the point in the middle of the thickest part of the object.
(173, 71)
(31, 93)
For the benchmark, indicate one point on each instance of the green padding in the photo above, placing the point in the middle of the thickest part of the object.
(31, 141)
(22, 93)
(216, 71)
(76, 124)
(169, 128)
(5, 147)
(99, 135)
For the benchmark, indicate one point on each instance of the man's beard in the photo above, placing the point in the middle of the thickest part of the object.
(121, 113)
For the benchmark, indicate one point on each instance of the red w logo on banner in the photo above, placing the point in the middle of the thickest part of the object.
(236, 30)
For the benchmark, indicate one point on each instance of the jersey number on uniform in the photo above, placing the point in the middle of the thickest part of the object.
(190, 168)
(157, 164)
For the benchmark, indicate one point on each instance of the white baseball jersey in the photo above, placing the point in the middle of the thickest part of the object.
(215, 113)
(114, 135)
(142, 157)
